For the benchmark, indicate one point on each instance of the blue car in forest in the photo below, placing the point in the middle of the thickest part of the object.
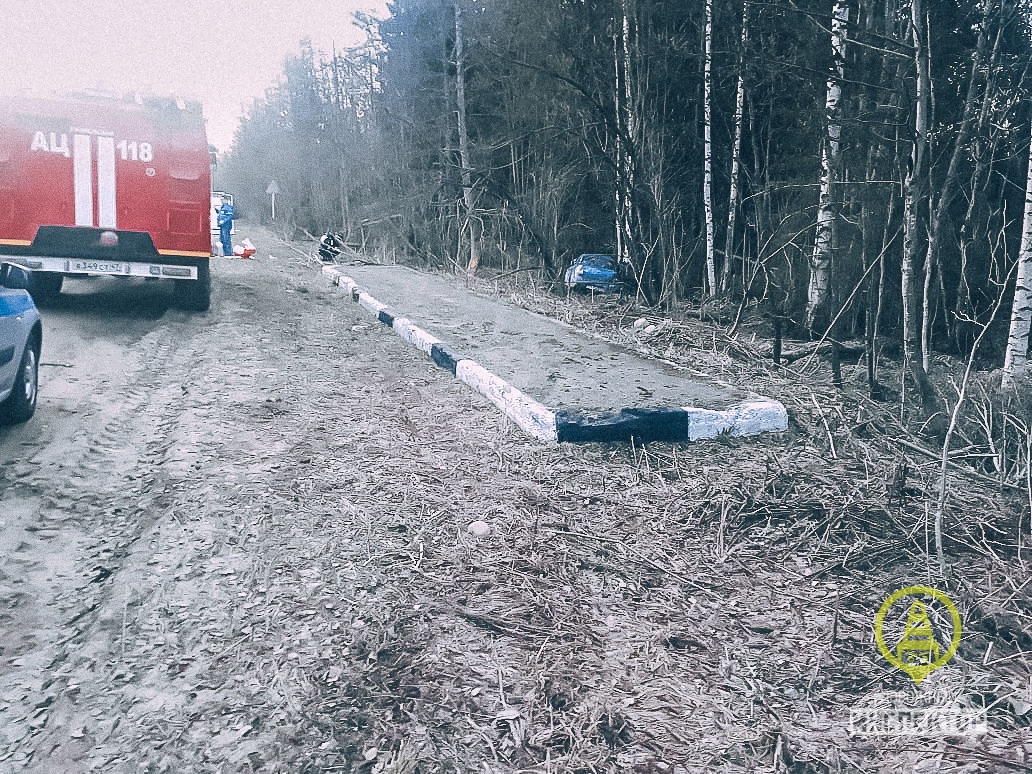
(594, 272)
(21, 339)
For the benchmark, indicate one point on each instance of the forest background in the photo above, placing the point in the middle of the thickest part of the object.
(857, 169)
(854, 174)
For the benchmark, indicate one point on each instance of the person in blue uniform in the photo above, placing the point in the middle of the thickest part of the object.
(225, 224)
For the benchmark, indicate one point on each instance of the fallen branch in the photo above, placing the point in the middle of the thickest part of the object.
(962, 468)
(823, 348)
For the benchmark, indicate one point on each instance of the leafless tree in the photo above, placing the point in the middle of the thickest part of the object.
(824, 242)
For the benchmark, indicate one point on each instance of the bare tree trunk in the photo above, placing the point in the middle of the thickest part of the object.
(1014, 365)
(823, 247)
(623, 255)
(337, 103)
(761, 201)
(625, 132)
(949, 185)
(875, 289)
(929, 267)
(970, 229)
(915, 174)
(707, 174)
(460, 109)
(736, 153)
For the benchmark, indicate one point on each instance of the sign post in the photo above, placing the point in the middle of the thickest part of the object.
(272, 190)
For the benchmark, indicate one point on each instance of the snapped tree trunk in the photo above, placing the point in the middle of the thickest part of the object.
(823, 246)
(1015, 362)
(467, 178)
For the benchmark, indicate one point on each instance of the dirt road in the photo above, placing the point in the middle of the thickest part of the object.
(238, 542)
(167, 448)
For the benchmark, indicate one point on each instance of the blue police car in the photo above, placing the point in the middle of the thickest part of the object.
(21, 338)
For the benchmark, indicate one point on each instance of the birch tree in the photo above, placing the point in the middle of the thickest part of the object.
(707, 174)
(621, 188)
(824, 242)
(736, 154)
(469, 227)
(627, 132)
(1015, 361)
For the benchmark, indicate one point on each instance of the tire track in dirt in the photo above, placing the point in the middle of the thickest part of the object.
(77, 506)
(126, 505)
(155, 494)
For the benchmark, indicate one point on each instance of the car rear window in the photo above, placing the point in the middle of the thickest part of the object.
(598, 261)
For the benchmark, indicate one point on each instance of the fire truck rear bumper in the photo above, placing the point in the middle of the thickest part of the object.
(116, 268)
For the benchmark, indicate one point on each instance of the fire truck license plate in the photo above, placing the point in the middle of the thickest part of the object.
(102, 266)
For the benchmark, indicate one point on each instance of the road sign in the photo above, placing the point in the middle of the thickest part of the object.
(272, 190)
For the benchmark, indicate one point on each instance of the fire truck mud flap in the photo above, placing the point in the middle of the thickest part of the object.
(195, 295)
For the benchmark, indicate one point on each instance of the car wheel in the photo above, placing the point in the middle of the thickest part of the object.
(21, 403)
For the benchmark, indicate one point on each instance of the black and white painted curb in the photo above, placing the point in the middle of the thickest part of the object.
(686, 423)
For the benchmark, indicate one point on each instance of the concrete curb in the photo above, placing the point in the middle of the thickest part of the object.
(685, 423)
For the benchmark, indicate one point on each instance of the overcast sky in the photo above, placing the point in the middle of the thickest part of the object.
(221, 52)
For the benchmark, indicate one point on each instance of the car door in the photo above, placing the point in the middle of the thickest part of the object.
(14, 305)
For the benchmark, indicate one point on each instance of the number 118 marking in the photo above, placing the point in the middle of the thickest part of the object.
(132, 150)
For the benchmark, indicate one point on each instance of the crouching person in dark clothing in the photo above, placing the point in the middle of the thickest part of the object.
(330, 246)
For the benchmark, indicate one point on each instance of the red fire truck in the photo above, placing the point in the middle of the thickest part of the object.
(99, 185)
